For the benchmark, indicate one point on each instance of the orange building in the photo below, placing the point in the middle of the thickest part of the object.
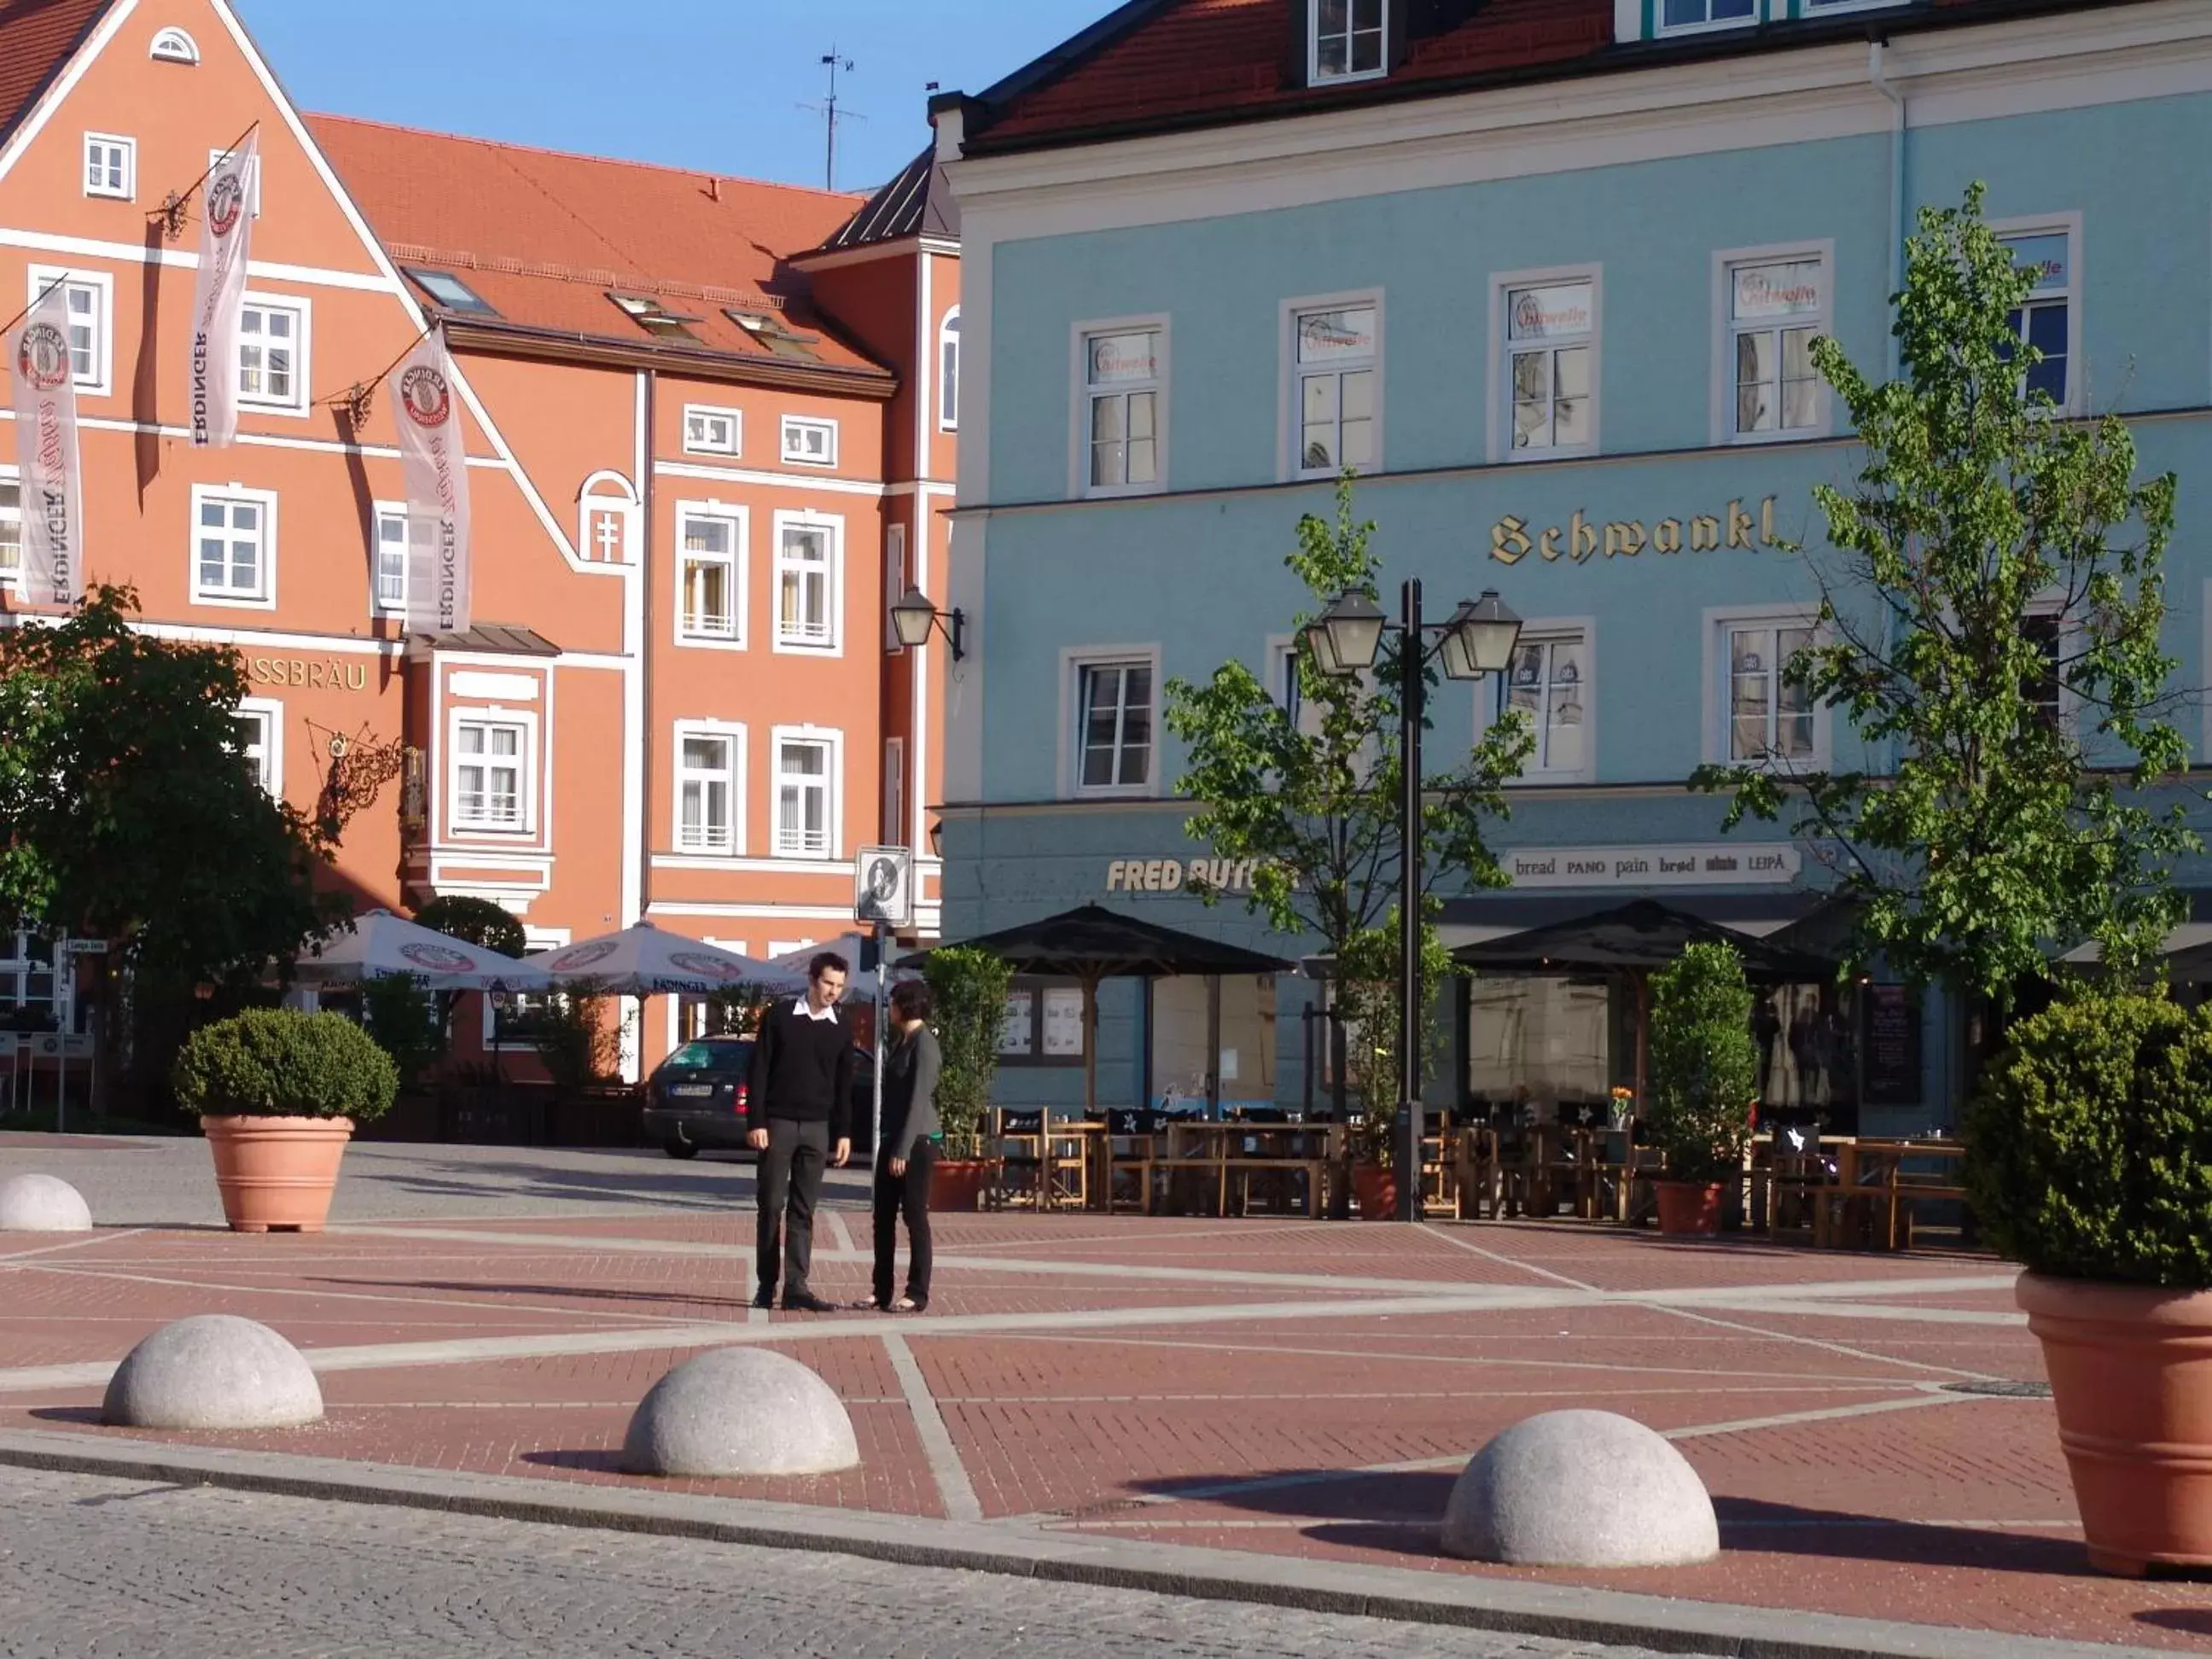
(710, 435)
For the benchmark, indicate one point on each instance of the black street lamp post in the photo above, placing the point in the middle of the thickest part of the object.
(1477, 639)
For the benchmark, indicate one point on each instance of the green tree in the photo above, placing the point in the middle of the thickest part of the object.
(406, 1021)
(579, 1038)
(477, 921)
(1371, 1000)
(969, 987)
(1703, 1063)
(1992, 635)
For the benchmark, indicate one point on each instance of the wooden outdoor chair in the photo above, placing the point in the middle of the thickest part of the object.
(1132, 1150)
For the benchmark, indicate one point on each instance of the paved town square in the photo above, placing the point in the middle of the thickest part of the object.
(1267, 1390)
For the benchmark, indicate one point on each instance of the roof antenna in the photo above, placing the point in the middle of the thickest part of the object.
(832, 115)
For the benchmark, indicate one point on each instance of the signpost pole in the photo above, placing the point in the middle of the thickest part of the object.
(883, 976)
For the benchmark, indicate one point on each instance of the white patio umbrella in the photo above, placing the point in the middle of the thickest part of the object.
(642, 961)
(378, 945)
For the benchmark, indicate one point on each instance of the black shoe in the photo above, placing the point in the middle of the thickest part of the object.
(765, 1297)
(806, 1302)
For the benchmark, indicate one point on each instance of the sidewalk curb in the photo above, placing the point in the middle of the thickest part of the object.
(1719, 1630)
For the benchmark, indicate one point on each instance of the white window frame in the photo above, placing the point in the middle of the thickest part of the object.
(270, 768)
(1315, 77)
(1492, 696)
(739, 519)
(834, 584)
(1662, 28)
(1072, 662)
(710, 412)
(128, 148)
(895, 580)
(173, 46)
(734, 733)
(381, 513)
(948, 372)
(526, 769)
(101, 381)
(2070, 641)
(1081, 335)
(834, 781)
(1502, 284)
(10, 574)
(896, 831)
(303, 324)
(794, 453)
(2069, 225)
(1725, 263)
(1719, 621)
(266, 598)
(1291, 402)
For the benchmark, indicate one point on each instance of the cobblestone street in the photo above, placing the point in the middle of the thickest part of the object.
(117, 1569)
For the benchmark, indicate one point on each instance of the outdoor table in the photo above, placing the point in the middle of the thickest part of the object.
(1202, 1144)
(1872, 1198)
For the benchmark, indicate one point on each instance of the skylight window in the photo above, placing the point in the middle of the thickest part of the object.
(772, 331)
(451, 292)
(654, 318)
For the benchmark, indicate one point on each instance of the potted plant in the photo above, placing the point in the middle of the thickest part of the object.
(969, 987)
(1369, 1000)
(1703, 1064)
(278, 1093)
(2089, 1161)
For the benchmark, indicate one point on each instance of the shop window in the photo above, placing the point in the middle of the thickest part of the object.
(1538, 1042)
(1044, 1023)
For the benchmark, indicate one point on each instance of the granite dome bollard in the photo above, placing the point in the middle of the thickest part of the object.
(213, 1372)
(42, 1204)
(740, 1411)
(1581, 1489)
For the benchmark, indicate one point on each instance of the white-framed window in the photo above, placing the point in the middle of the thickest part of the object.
(253, 185)
(260, 724)
(895, 829)
(808, 798)
(1283, 686)
(11, 525)
(492, 771)
(1335, 360)
(111, 166)
(272, 353)
(1683, 16)
(234, 545)
(1547, 397)
(710, 774)
(1113, 728)
(173, 46)
(2050, 320)
(710, 573)
(1773, 304)
(1349, 40)
(808, 442)
(389, 578)
(711, 431)
(810, 559)
(1550, 682)
(894, 583)
(1759, 718)
(1121, 422)
(90, 297)
(948, 372)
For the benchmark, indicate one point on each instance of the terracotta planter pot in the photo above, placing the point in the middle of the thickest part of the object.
(276, 1174)
(2131, 1374)
(957, 1183)
(1377, 1191)
(1689, 1209)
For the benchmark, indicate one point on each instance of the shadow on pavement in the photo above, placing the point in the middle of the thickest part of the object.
(739, 1298)
(2190, 1621)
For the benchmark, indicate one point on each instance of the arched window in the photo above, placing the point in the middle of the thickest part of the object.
(948, 371)
(607, 519)
(173, 46)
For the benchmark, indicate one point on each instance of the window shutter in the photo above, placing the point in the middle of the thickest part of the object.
(1297, 49)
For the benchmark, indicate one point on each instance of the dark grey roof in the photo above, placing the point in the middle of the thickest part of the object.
(499, 639)
(917, 203)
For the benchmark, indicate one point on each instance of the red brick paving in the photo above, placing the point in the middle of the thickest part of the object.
(1235, 1431)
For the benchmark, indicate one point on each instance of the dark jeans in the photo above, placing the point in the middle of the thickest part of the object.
(907, 1194)
(790, 1178)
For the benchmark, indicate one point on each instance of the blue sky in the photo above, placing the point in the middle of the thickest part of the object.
(704, 83)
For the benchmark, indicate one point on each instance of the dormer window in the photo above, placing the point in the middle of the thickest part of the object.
(1677, 16)
(654, 318)
(1348, 42)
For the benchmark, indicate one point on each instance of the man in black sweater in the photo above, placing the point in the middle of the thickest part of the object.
(797, 1104)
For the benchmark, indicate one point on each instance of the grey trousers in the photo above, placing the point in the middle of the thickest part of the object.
(790, 1179)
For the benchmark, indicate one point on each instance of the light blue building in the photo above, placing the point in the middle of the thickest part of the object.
(1545, 271)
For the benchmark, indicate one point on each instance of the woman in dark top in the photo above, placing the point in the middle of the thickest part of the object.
(908, 1149)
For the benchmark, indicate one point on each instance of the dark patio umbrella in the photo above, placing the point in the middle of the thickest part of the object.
(1090, 943)
(1633, 939)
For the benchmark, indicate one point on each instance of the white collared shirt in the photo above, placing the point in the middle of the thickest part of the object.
(805, 1009)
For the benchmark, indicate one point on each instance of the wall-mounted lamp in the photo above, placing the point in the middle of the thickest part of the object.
(913, 615)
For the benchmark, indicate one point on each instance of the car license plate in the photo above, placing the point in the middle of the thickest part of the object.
(692, 1089)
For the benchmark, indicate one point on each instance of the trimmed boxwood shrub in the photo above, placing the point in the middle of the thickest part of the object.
(1703, 1063)
(280, 1062)
(2089, 1143)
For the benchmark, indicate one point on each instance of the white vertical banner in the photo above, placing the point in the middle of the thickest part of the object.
(226, 235)
(434, 456)
(46, 454)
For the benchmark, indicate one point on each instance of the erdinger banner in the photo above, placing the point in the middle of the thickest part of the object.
(435, 460)
(46, 454)
(226, 231)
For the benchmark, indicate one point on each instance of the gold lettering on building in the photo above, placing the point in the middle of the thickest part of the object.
(1509, 541)
(1580, 540)
(1667, 536)
(328, 674)
(1704, 533)
(1623, 541)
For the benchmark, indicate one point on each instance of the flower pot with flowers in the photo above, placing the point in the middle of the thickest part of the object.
(1703, 1063)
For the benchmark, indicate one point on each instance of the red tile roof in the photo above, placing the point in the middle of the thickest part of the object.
(36, 39)
(543, 237)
